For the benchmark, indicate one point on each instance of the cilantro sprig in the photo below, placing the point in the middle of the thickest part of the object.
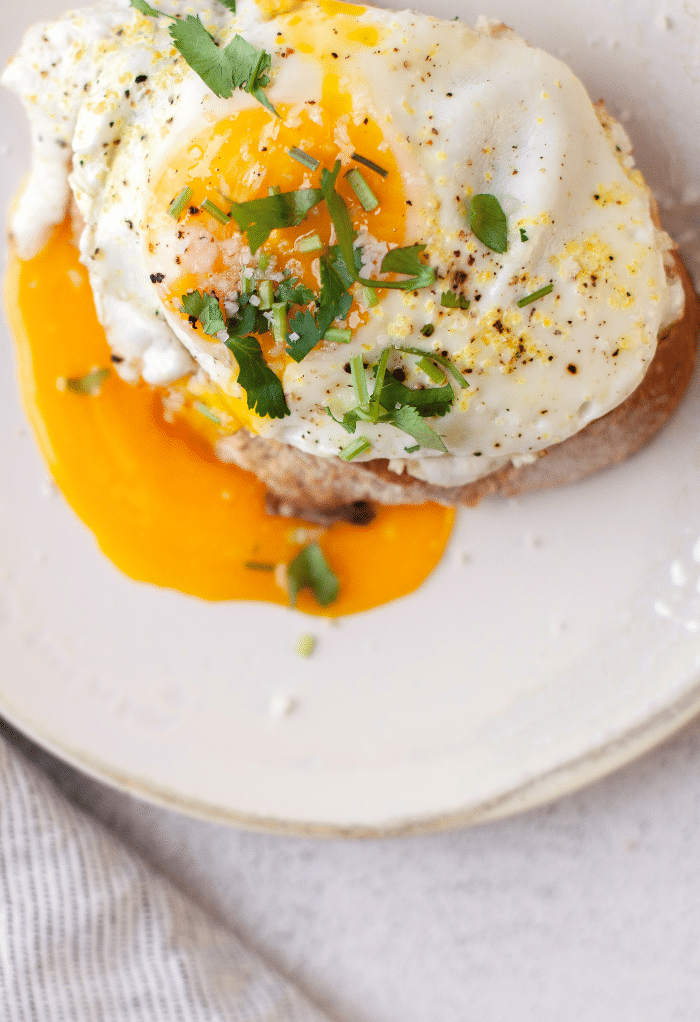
(263, 388)
(236, 66)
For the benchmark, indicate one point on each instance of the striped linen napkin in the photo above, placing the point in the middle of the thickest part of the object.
(89, 933)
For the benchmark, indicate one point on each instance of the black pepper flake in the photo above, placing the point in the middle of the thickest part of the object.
(157, 278)
(140, 79)
(193, 211)
(347, 368)
(116, 359)
(399, 375)
(572, 368)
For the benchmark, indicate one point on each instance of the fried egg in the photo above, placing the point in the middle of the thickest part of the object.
(446, 113)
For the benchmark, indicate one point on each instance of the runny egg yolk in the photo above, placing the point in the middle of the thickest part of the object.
(160, 504)
(242, 158)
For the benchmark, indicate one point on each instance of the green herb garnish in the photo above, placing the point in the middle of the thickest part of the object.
(309, 570)
(259, 566)
(204, 308)
(535, 296)
(301, 157)
(260, 217)
(441, 360)
(523, 235)
(410, 421)
(334, 303)
(237, 66)
(370, 165)
(214, 211)
(305, 645)
(312, 243)
(368, 200)
(205, 410)
(179, 203)
(449, 300)
(90, 384)
(488, 222)
(399, 260)
(355, 447)
(264, 392)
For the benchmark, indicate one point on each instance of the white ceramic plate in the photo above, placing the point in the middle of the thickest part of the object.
(559, 637)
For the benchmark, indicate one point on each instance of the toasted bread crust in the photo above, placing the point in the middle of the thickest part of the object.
(323, 489)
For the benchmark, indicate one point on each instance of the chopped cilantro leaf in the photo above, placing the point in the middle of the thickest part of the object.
(263, 388)
(409, 420)
(294, 293)
(334, 300)
(309, 570)
(334, 303)
(405, 260)
(205, 308)
(308, 334)
(237, 66)
(348, 422)
(523, 235)
(488, 221)
(428, 402)
(449, 300)
(259, 217)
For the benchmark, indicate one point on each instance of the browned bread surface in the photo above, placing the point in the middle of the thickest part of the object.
(325, 488)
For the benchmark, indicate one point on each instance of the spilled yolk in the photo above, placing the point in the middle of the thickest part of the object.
(160, 504)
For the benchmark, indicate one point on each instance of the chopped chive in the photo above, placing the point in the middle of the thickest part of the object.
(301, 157)
(264, 262)
(412, 450)
(359, 380)
(179, 203)
(247, 284)
(535, 296)
(362, 190)
(441, 360)
(274, 190)
(259, 566)
(369, 296)
(338, 335)
(312, 243)
(279, 322)
(368, 163)
(428, 330)
(217, 213)
(90, 384)
(355, 447)
(203, 409)
(431, 370)
(378, 384)
(305, 645)
(265, 290)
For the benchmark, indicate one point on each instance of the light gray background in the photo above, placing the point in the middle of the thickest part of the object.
(587, 910)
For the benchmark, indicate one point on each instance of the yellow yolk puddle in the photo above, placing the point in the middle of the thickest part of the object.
(162, 507)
